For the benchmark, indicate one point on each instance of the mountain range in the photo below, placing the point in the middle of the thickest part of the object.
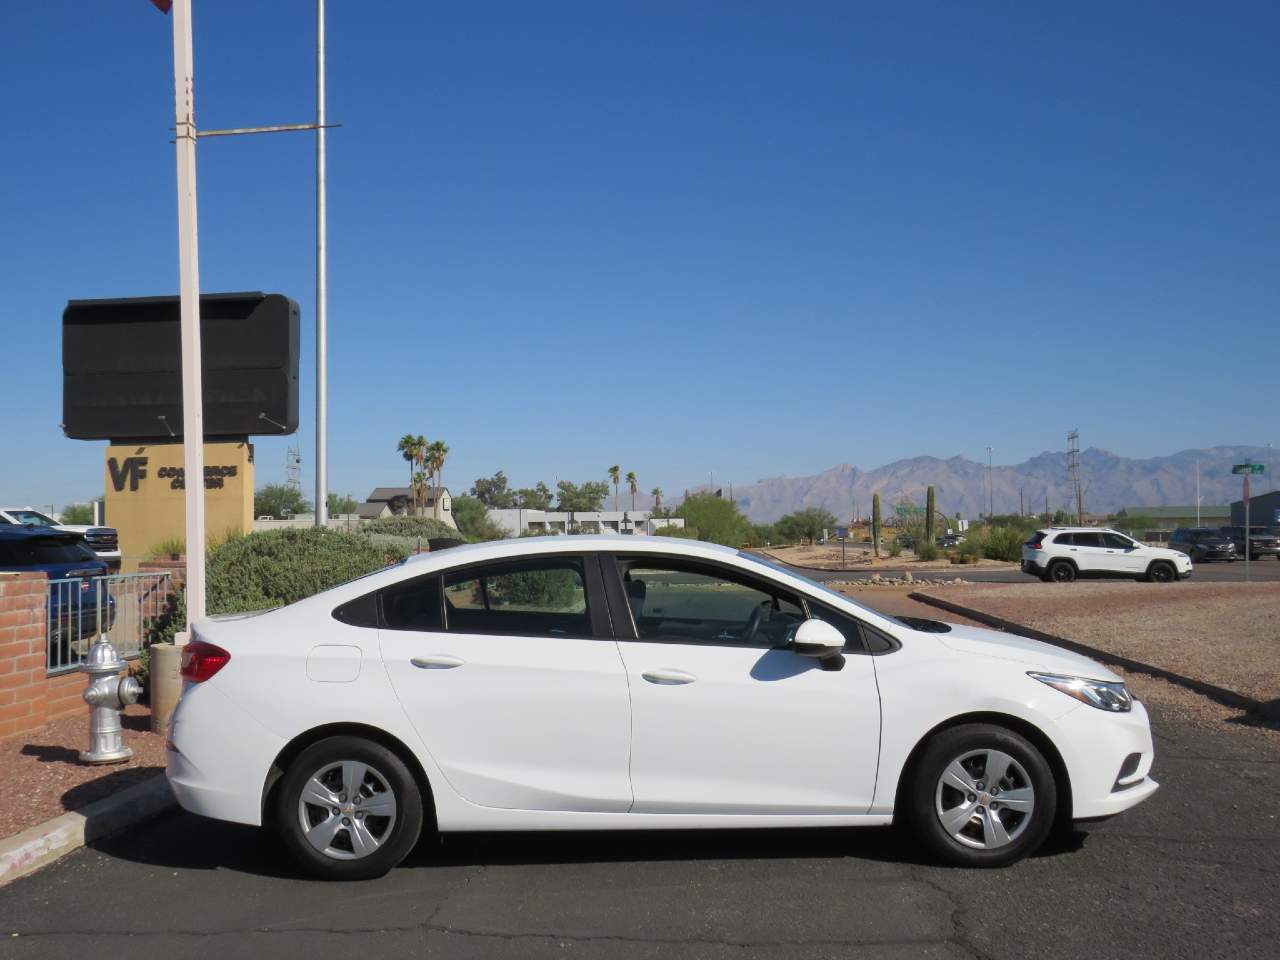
(1111, 482)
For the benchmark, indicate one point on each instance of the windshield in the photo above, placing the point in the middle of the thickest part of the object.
(765, 562)
(30, 518)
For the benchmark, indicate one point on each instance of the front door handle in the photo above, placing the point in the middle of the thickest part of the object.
(668, 678)
(439, 661)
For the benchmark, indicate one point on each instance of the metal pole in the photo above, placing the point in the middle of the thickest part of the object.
(1197, 493)
(189, 298)
(991, 496)
(322, 292)
(1246, 527)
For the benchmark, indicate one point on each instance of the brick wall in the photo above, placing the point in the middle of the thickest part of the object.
(28, 698)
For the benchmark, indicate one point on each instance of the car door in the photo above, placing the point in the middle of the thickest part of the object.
(725, 718)
(1087, 552)
(510, 674)
(1123, 554)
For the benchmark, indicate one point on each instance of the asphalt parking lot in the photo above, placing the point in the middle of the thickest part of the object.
(1195, 872)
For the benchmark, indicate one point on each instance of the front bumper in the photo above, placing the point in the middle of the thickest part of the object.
(1095, 745)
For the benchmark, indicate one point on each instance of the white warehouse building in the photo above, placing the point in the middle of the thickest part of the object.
(519, 521)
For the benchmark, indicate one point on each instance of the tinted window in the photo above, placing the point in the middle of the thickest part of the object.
(413, 604)
(1088, 539)
(1066, 539)
(702, 603)
(1114, 541)
(845, 624)
(540, 596)
(44, 552)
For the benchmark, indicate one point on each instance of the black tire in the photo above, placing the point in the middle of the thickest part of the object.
(1162, 572)
(1027, 831)
(1060, 571)
(386, 773)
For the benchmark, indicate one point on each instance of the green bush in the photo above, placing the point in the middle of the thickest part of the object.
(895, 548)
(1003, 543)
(536, 589)
(684, 533)
(406, 526)
(277, 567)
(928, 551)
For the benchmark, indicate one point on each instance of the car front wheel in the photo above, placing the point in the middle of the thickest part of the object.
(349, 809)
(982, 796)
(1162, 573)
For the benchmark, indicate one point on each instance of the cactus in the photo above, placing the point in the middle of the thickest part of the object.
(875, 524)
(930, 514)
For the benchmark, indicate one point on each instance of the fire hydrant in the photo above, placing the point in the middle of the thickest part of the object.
(106, 696)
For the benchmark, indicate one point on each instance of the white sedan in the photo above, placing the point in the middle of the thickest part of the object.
(595, 683)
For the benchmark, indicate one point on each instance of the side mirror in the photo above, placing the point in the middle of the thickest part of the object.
(820, 640)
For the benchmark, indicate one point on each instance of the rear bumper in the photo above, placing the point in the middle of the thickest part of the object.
(217, 757)
(1033, 568)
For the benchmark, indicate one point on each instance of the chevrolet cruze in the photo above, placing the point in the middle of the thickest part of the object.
(608, 683)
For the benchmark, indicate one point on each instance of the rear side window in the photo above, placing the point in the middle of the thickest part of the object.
(412, 605)
(539, 596)
(1065, 539)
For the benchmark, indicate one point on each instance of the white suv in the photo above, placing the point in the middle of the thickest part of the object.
(1061, 554)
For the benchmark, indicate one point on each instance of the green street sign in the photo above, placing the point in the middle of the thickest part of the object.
(1253, 469)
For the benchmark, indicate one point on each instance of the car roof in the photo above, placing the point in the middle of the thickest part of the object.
(18, 532)
(567, 543)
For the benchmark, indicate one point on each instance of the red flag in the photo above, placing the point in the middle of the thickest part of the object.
(164, 6)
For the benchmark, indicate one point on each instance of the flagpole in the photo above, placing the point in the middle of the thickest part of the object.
(189, 298)
(322, 289)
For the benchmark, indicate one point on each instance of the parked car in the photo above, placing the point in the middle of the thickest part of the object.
(75, 596)
(1202, 544)
(1062, 554)
(1263, 541)
(104, 541)
(950, 540)
(576, 683)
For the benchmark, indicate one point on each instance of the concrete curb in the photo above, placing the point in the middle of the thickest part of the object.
(1221, 694)
(33, 848)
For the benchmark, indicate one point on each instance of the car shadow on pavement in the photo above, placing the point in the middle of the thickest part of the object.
(182, 841)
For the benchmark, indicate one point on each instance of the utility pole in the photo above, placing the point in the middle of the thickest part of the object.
(189, 307)
(990, 490)
(1073, 465)
(1022, 502)
(1198, 497)
(322, 290)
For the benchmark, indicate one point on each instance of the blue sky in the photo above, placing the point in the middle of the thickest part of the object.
(754, 238)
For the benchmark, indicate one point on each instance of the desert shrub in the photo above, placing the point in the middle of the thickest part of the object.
(928, 551)
(277, 567)
(1003, 543)
(406, 526)
(895, 548)
(684, 533)
(168, 547)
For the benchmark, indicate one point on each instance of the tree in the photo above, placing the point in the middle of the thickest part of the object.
(414, 450)
(714, 519)
(472, 518)
(587, 498)
(421, 483)
(633, 485)
(806, 524)
(875, 524)
(437, 454)
(930, 514)
(77, 513)
(493, 492)
(534, 498)
(339, 504)
(615, 475)
(279, 500)
(656, 493)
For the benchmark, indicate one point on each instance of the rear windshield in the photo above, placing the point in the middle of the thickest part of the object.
(1036, 538)
(43, 552)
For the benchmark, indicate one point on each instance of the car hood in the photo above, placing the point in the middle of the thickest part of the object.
(1034, 654)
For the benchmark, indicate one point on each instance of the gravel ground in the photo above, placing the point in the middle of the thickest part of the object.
(44, 768)
(1227, 634)
(828, 558)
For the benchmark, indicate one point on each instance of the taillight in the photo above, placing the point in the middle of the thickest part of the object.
(201, 660)
(1034, 544)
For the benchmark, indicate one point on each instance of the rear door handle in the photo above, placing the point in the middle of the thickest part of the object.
(439, 661)
(668, 678)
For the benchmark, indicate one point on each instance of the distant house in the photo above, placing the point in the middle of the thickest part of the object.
(398, 501)
(519, 521)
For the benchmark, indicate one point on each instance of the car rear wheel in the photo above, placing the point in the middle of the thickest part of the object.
(982, 796)
(349, 809)
(1161, 573)
(1061, 572)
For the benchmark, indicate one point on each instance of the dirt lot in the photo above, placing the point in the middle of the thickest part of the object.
(1227, 634)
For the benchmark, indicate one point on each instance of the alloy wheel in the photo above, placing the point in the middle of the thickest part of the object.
(984, 799)
(347, 809)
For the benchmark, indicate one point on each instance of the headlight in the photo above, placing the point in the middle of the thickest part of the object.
(1112, 697)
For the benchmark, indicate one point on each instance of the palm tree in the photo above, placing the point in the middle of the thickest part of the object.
(437, 453)
(419, 489)
(615, 475)
(406, 449)
(633, 485)
(656, 493)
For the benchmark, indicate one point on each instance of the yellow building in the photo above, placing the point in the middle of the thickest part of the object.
(145, 490)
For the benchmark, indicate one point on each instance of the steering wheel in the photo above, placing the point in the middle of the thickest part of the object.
(753, 623)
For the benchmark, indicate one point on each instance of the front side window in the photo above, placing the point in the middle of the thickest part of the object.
(1114, 541)
(696, 603)
(539, 596)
